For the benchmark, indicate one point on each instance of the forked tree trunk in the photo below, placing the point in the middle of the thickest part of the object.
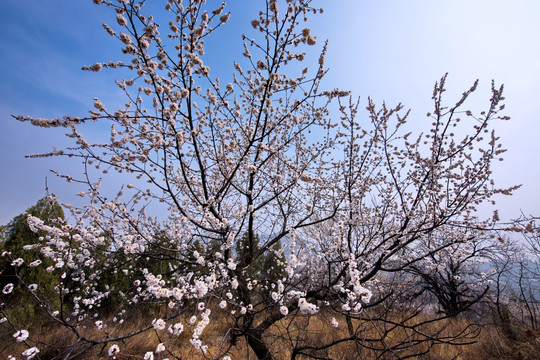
(255, 341)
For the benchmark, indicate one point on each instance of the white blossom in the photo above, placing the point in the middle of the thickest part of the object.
(159, 324)
(30, 353)
(125, 38)
(160, 348)
(17, 262)
(21, 335)
(230, 264)
(99, 325)
(176, 329)
(224, 18)
(306, 307)
(121, 20)
(113, 350)
(35, 263)
(7, 289)
(99, 105)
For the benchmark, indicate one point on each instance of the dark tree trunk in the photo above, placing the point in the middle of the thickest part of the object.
(255, 341)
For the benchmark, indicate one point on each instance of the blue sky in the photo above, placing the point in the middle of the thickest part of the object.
(392, 50)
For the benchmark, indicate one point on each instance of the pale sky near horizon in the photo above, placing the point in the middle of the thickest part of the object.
(391, 50)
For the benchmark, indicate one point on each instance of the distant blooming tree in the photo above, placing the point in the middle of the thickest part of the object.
(516, 271)
(455, 272)
(264, 190)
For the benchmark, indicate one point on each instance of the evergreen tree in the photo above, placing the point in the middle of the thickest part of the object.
(273, 265)
(247, 247)
(18, 241)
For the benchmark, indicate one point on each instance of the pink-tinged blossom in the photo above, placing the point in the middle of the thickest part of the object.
(144, 44)
(113, 350)
(283, 310)
(160, 348)
(21, 335)
(196, 343)
(125, 38)
(176, 329)
(178, 293)
(274, 7)
(159, 324)
(99, 105)
(306, 178)
(7, 289)
(99, 325)
(32, 287)
(224, 18)
(201, 288)
(261, 65)
(35, 263)
(149, 355)
(121, 20)
(30, 353)
(17, 262)
(306, 307)
(334, 322)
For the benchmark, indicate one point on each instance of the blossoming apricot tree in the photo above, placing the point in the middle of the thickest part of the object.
(263, 160)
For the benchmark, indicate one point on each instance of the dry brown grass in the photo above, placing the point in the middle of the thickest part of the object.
(490, 344)
(315, 330)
